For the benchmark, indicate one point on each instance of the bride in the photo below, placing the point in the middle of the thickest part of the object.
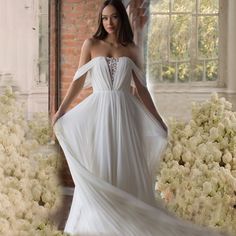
(114, 140)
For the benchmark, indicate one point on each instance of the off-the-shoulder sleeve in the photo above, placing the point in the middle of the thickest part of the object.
(139, 74)
(82, 70)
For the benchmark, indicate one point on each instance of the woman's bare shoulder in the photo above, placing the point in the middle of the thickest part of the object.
(92, 41)
(88, 46)
(92, 44)
(88, 42)
(86, 49)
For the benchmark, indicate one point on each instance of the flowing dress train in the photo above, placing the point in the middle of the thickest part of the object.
(113, 144)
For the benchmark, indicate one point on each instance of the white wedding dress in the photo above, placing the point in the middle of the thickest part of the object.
(113, 144)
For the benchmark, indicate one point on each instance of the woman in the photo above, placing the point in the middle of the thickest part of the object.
(112, 141)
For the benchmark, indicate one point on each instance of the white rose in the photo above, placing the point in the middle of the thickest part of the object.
(216, 154)
(188, 131)
(4, 226)
(193, 142)
(226, 122)
(227, 157)
(233, 126)
(228, 105)
(228, 166)
(187, 156)
(36, 192)
(214, 97)
(224, 142)
(202, 149)
(214, 133)
(177, 151)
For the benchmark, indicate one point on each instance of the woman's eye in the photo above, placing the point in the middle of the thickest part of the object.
(105, 18)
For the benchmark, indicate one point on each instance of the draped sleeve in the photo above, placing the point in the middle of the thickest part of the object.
(139, 74)
(82, 70)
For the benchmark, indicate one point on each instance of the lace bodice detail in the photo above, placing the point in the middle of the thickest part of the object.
(112, 64)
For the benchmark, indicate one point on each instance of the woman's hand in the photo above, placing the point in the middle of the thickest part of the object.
(56, 116)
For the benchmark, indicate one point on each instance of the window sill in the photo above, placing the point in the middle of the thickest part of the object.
(189, 88)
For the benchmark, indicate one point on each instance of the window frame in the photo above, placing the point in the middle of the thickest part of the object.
(222, 59)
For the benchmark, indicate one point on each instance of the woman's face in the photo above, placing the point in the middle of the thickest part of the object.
(110, 19)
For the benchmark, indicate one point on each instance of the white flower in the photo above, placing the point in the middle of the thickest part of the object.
(202, 149)
(187, 156)
(36, 192)
(194, 141)
(23, 173)
(188, 131)
(177, 151)
(207, 188)
(4, 226)
(228, 105)
(202, 174)
(214, 133)
(227, 157)
(214, 97)
(216, 154)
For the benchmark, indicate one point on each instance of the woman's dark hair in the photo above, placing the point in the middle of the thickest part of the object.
(125, 33)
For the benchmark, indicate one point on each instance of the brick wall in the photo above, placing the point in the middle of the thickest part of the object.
(78, 21)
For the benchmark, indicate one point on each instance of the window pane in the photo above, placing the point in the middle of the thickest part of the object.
(159, 6)
(158, 35)
(208, 36)
(183, 72)
(168, 72)
(43, 41)
(208, 6)
(180, 36)
(198, 71)
(211, 70)
(183, 5)
(154, 73)
(183, 44)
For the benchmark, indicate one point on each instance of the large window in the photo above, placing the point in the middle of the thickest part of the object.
(183, 41)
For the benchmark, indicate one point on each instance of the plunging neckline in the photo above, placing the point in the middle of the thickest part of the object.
(112, 76)
(136, 69)
(117, 66)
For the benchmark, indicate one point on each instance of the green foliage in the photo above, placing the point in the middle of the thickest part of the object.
(208, 36)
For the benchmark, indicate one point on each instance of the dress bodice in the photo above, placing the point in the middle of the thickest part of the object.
(110, 73)
(112, 64)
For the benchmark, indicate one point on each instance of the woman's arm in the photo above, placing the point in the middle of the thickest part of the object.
(144, 94)
(76, 85)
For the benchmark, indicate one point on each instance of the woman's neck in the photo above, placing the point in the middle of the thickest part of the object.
(112, 40)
